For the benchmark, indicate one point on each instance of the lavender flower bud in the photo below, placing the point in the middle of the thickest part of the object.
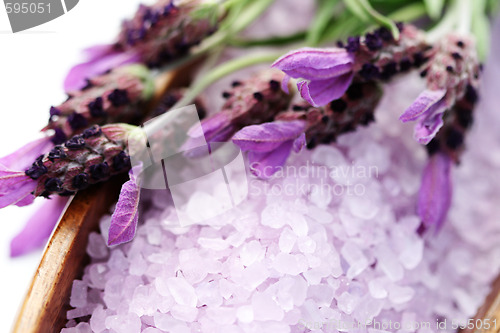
(253, 101)
(164, 31)
(92, 157)
(324, 124)
(377, 55)
(112, 97)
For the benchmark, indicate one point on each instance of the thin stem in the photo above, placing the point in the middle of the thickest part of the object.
(273, 41)
(221, 71)
(465, 12)
(447, 24)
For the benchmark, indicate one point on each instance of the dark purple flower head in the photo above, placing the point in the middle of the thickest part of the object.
(113, 97)
(83, 160)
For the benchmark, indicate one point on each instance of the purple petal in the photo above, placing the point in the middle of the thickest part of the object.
(284, 83)
(435, 191)
(15, 187)
(322, 92)
(22, 158)
(27, 200)
(427, 129)
(268, 136)
(315, 64)
(299, 143)
(265, 164)
(75, 79)
(125, 217)
(428, 102)
(210, 126)
(38, 228)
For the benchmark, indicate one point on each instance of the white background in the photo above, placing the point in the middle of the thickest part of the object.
(32, 69)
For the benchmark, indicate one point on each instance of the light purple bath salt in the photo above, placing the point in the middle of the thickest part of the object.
(309, 250)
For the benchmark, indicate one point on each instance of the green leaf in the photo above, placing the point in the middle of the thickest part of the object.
(408, 13)
(355, 7)
(372, 15)
(324, 12)
(434, 8)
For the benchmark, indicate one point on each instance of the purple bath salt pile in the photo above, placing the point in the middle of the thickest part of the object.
(330, 244)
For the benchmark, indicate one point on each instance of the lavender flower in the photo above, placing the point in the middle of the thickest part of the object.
(156, 35)
(85, 159)
(38, 228)
(435, 193)
(327, 73)
(269, 144)
(452, 74)
(248, 102)
(113, 97)
(126, 215)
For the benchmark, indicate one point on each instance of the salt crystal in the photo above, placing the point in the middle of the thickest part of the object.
(184, 313)
(355, 258)
(298, 224)
(127, 323)
(287, 240)
(153, 235)
(306, 244)
(79, 312)
(151, 330)
(320, 215)
(245, 314)
(182, 291)
(388, 262)
(321, 294)
(273, 216)
(265, 307)
(165, 322)
(254, 275)
(216, 244)
(97, 320)
(193, 266)
(399, 295)
(117, 261)
(144, 301)
(138, 265)
(78, 294)
(80, 328)
(347, 302)
(413, 252)
(96, 247)
(377, 288)
(112, 291)
(292, 291)
(251, 252)
(222, 315)
(290, 264)
(208, 294)
(328, 156)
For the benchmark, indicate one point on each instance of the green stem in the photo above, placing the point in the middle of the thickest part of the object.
(465, 10)
(251, 12)
(221, 71)
(447, 24)
(273, 41)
